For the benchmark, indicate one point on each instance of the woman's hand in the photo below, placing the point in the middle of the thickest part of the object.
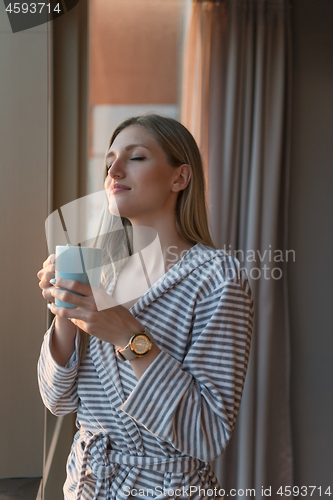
(45, 275)
(63, 339)
(97, 313)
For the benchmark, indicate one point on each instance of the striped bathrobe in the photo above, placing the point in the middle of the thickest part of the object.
(154, 437)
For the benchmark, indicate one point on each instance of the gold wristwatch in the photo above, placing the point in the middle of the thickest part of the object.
(139, 345)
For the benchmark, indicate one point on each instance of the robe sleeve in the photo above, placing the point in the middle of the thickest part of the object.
(193, 405)
(58, 384)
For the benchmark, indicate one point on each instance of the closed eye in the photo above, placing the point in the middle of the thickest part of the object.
(136, 158)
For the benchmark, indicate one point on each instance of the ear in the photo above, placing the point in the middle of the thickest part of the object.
(184, 175)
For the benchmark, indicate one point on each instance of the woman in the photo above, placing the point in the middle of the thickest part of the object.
(158, 386)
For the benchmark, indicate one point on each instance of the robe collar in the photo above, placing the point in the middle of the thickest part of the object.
(195, 257)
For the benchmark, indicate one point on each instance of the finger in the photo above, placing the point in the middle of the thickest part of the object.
(49, 269)
(64, 312)
(44, 273)
(95, 298)
(79, 323)
(49, 275)
(45, 281)
(49, 260)
(47, 294)
(74, 286)
(71, 298)
(74, 315)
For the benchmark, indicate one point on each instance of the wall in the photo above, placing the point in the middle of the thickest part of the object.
(311, 223)
(133, 51)
(23, 208)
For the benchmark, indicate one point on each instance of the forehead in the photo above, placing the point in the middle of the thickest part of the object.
(132, 136)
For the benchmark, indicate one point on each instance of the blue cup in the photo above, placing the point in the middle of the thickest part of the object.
(80, 264)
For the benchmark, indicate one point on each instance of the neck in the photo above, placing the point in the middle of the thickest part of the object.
(172, 245)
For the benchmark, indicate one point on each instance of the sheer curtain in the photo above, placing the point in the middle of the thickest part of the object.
(236, 102)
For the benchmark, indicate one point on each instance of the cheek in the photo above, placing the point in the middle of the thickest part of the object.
(161, 186)
(157, 181)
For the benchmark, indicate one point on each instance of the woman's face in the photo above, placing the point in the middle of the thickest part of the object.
(141, 185)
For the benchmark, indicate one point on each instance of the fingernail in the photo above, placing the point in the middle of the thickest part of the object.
(52, 281)
(49, 306)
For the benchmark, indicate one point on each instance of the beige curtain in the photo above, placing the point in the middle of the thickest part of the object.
(236, 102)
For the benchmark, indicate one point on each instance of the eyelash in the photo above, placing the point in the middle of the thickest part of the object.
(136, 158)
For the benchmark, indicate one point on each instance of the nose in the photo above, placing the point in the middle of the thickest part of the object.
(116, 169)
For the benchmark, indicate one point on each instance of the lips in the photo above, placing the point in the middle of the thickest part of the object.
(118, 188)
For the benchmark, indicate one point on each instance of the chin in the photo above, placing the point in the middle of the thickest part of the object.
(114, 210)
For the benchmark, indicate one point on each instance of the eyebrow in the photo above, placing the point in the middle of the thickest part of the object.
(130, 146)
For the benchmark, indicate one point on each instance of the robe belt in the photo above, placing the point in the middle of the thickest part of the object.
(175, 465)
(104, 462)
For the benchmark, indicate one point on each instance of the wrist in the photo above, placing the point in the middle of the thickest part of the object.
(139, 345)
(133, 328)
(64, 326)
(62, 343)
(140, 365)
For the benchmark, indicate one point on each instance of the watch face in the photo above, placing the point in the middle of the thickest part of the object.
(141, 344)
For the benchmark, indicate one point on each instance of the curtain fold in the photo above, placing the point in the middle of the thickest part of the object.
(236, 101)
